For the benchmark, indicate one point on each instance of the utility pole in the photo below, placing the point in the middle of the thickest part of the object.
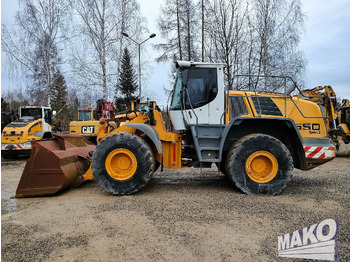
(139, 47)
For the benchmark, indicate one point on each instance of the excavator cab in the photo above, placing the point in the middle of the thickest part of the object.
(345, 116)
(87, 114)
(344, 124)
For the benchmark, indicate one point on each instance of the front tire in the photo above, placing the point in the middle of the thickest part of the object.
(259, 164)
(122, 163)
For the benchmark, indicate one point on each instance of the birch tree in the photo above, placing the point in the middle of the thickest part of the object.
(100, 24)
(33, 44)
(277, 25)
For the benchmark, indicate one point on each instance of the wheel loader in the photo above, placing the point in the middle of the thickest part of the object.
(254, 138)
(34, 123)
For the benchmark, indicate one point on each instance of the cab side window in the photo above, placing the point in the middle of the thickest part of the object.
(201, 87)
(47, 113)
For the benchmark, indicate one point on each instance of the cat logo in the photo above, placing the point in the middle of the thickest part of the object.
(87, 129)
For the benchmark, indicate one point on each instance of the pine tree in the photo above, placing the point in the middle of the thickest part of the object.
(127, 83)
(59, 100)
(58, 92)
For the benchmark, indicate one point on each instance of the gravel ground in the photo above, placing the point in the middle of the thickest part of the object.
(181, 215)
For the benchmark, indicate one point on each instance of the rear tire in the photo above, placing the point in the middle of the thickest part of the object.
(259, 164)
(122, 163)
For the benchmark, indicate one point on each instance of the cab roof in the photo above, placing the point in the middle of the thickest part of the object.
(188, 64)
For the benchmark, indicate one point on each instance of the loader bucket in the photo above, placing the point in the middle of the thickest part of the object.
(55, 164)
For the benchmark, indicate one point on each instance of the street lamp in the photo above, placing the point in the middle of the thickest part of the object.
(139, 45)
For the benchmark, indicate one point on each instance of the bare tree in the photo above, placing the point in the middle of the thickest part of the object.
(250, 37)
(169, 26)
(276, 27)
(227, 32)
(33, 43)
(205, 19)
(100, 24)
(178, 24)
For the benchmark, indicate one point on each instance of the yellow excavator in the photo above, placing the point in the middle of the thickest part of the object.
(254, 138)
(88, 124)
(337, 120)
(88, 119)
(34, 124)
(343, 123)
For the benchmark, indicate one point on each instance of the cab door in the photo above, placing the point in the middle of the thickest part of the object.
(200, 89)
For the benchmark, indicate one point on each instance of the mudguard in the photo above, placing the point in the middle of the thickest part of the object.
(150, 132)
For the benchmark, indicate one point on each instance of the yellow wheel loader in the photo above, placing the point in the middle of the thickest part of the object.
(255, 138)
(34, 123)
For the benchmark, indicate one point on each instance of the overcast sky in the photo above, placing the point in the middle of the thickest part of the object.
(326, 44)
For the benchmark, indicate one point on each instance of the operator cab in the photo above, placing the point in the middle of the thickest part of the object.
(345, 116)
(198, 95)
(85, 115)
(32, 113)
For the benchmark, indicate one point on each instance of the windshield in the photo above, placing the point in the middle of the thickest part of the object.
(84, 115)
(34, 112)
(26, 119)
(144, 107)
(176, 99)
(18, 124)
(346, 117)
(200, 88)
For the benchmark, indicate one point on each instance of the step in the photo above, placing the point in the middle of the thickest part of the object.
(210, 148)
(208, 160)
(209, 137)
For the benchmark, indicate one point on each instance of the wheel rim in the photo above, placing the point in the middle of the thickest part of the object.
(121, 164)
(261, 167)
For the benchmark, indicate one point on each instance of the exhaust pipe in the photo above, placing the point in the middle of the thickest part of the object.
(290, 89)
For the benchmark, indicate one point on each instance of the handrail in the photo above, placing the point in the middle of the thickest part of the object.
(225, 109)
(184, 102)
(285, 78)
(272, 76)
